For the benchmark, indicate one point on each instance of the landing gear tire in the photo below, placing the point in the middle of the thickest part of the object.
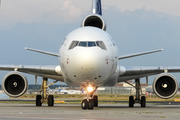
(38, 100)
(95, 99)
(131, 101)
(50, 100)
(143, 101)
(84, 104)
(91, 104)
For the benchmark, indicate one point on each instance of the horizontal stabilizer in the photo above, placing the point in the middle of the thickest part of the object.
(138, 54)
(44, 52)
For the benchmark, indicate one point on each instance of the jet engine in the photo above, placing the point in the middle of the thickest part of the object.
(94, 20)
(14, 84)
(165, 85)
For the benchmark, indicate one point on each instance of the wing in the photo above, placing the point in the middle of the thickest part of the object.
(129, 73)
(52, 72)
(139, 54)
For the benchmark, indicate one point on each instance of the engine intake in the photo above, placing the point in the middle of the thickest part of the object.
(14, 84)
(165, 85)
(94, 20)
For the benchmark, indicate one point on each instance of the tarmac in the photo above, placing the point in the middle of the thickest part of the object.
(118, 111)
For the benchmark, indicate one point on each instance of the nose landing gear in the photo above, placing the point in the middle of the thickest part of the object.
(95, 99)
(87, 104)
(91, 101)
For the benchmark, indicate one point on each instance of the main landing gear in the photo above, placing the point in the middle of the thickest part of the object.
(141, 100)
(91, 101)
(49, 99)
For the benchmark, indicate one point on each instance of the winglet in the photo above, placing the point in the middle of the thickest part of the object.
(44, 52)
(138, 54)
(96, 7)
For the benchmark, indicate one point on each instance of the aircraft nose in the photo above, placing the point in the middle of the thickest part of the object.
(87, 63)
(90, 66)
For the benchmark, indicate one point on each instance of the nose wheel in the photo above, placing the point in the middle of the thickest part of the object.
(84, 104)
(95, 99)
(90, 102)
(87, 104)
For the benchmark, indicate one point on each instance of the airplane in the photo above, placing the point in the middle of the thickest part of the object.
(88, 58)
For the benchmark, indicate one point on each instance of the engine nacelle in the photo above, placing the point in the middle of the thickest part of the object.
(14, 84)
(165, 85)
(94, 20)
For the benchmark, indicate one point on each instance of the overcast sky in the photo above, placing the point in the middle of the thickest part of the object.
(135, 25)
(58, 11)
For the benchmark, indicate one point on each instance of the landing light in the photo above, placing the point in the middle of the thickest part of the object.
(89, 89)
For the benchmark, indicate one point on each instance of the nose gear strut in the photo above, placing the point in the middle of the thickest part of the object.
(91, 101)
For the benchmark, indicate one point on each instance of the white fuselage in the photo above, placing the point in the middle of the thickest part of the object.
(84, 59)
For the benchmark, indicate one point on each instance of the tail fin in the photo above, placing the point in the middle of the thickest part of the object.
(96, 8)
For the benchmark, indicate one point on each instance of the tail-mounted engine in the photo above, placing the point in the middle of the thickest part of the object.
(94, 20)
(14, 84)
(165, 86)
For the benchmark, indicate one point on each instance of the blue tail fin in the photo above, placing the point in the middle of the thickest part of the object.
(96, 9)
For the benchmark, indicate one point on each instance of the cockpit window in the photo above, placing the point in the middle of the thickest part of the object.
(88, 44)
(101, 45)
(91, 44)
(73, 44)
(83, 44)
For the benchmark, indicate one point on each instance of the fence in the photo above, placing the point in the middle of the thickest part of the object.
(114, 90)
